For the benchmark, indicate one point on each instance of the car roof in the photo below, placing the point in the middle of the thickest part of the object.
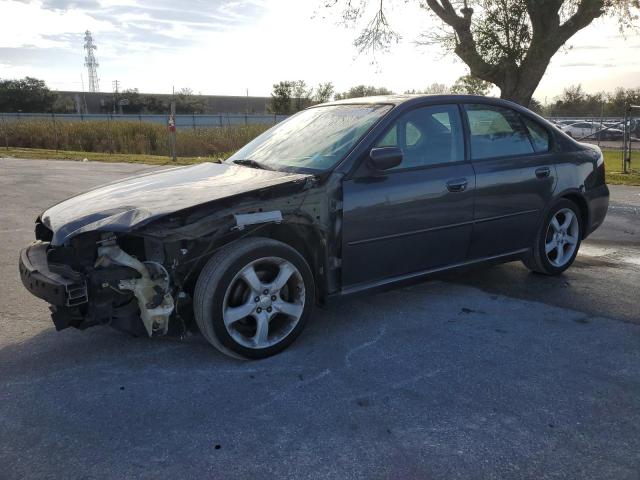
(420, 98)
(407, 101)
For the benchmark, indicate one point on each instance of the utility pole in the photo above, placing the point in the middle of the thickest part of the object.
(116, 86)
(625, 134)
(84, 97)
(172, 131)
(628, 123)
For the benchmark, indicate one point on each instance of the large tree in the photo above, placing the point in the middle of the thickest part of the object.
(301, 94)
(324, 92)
(506, 42)
(281, 98)
(471, 85)
(26, 95)
(363, 91)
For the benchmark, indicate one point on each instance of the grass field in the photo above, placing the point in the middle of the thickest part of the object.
(126, 137)
(44, 154)
(613, 160)
(613, 167)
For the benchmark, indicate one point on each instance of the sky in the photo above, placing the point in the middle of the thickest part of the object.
(224, 47)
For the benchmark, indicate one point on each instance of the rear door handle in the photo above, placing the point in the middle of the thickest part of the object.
(458, 185)
(543, 172)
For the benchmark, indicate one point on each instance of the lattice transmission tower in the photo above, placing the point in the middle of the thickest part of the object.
(90, 62)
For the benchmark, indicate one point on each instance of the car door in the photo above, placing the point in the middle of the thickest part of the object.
(416, 216)
(515, 178)
(582, 129)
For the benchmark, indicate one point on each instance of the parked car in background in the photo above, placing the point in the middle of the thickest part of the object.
(563, 123)
(341, 198)
(581, 129)
(612, 133)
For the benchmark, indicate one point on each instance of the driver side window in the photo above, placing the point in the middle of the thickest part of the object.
(426, 136)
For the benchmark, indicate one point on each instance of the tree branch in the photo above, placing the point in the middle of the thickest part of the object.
(544, 15)
(465, 47)
(587, 12)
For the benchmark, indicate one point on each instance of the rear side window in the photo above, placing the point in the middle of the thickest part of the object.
(427, 136)
(496, 132)
(539, 135)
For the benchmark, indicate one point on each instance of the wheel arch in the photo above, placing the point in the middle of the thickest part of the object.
(309, 241)
(577, 198)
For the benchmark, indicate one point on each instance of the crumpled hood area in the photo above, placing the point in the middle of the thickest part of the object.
(126, 204)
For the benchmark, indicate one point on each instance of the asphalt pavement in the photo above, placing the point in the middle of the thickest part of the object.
(495, 373)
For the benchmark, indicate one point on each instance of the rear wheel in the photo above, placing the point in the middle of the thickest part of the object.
(558, 240)
(253, 297)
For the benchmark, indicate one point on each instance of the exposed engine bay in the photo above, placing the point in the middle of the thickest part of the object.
(141, 281)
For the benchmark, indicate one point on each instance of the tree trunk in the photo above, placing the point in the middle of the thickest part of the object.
(518, 82)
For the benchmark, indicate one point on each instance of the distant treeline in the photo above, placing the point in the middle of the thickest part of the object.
(30, 95)
(575, 102)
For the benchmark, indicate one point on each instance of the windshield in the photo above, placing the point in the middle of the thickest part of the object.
(312, 140)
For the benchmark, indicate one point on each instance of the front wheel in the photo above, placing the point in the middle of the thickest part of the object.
(557, 241)
(253, 297)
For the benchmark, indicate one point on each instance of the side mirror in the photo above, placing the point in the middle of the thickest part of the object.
(384, 158)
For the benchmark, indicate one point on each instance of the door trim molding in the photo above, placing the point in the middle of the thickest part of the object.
(392, 236)
(407, 234)
(500, 217)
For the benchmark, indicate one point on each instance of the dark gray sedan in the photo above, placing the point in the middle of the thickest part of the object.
(341, 198)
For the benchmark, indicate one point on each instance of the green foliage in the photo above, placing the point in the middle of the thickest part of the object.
(187, 102)
(363, 91)
(301, 95)
(536, 106)
(281, 98)
(137, 103)
(503, 33)
(470, 85)
(433, 89)
(324, 92)
(575, 102)
(290, 96)
(27, 95)
(126, 137)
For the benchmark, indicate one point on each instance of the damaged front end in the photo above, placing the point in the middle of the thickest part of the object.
(94, 281)
(137, 273)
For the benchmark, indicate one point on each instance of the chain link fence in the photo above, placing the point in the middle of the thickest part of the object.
(213, 135)
(618, 135)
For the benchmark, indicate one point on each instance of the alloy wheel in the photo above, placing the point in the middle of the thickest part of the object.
(264, 302)
(562, 237)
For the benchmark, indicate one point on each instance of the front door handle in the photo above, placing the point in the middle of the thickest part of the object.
(543, 172)
(458, 185)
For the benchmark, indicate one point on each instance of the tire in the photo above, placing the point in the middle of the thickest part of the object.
(254, 297)
(564, 248)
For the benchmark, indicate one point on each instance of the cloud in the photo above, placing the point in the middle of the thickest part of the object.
(28, 24)
(225, 46)
(60, 23)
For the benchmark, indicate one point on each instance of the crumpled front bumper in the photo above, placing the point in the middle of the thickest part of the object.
(53, 286)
